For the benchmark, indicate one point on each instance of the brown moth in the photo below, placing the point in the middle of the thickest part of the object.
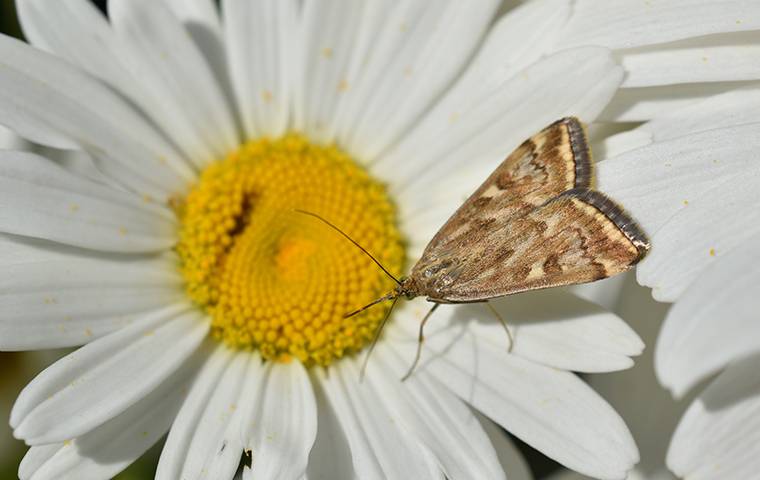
(535, 223)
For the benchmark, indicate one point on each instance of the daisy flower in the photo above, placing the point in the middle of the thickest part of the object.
(206, 309)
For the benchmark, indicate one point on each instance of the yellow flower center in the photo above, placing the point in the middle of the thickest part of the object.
(274, 279)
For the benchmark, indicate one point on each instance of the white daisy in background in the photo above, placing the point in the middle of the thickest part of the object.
(176, 261)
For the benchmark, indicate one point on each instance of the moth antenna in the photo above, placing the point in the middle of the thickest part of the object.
(387, 296)
(503, 324)
(375, 339)
(398, 282)
(420, 339)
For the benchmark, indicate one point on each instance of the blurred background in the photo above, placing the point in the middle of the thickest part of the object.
(648, 409)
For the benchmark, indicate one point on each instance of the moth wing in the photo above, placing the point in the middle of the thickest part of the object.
(578, 237)
(553, 161)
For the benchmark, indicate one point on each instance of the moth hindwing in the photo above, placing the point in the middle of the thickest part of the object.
(536, 222)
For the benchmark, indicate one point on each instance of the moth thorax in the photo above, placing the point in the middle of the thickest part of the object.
(274, 280)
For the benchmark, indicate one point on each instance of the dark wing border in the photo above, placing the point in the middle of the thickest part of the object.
(622, 220)
(582, 158)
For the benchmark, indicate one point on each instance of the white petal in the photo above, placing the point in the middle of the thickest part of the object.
(78, 32)
(261, 41)
(490, 127)
(182, 430)
(196, 12)
(35, 458)
(332, 43)
(10, 141)
(729, 109)
(720, 58)
(380, 445)
(202, 21)
(111, 447)
(709, 227)
(46, 100)
(330, 456)
(52, 296)
(625, 24)
(509, 456)
(185, 98)
(718, 435)
(551, 327)
(713, 322)
(420, 50)
(438, 419)
(518, 39)
(551, 410)
(653, 182)
(620, 143)
(102, 379)
(208, 417)
(605, 292)
(646, 103)
(285, 427)
(42, 200)
(222, 461)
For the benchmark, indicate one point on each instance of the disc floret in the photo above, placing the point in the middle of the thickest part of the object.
(273, 280)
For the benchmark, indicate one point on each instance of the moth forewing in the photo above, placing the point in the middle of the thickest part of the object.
(535, 223)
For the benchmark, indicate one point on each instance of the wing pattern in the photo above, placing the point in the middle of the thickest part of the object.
(534, 223)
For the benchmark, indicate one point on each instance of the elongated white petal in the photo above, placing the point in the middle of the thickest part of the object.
(729, 109)
(380, 446)
(182, 430)
(202, 21)
(552, 327)
(509, 456)
(420, 50)
(437, 418)
(205, 433)
(645, 103)
(284, 429)
(48, 101)
(709, 227)
(625, 24)
(330, 50)
(53, 296)
(222, 461)
(713, 322)
(78, 32)
(553, 411)
(111, 447)
(262, 45)
(451, 162)
(102, 379)
(653, 182)
(728, 57)
(330, 456)
(184, 96)
(606, 292)
(35, 458)
(718, 435)
(202, 12)
(517, 40)
(41, 199)
(10, 141)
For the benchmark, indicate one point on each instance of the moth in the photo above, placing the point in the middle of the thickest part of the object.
(536, 222)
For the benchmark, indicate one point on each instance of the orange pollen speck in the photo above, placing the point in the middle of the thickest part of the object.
(276, 280)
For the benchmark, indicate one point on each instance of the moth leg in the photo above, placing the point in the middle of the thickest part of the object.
(503, 324)
(375, 339)
(420, 339)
